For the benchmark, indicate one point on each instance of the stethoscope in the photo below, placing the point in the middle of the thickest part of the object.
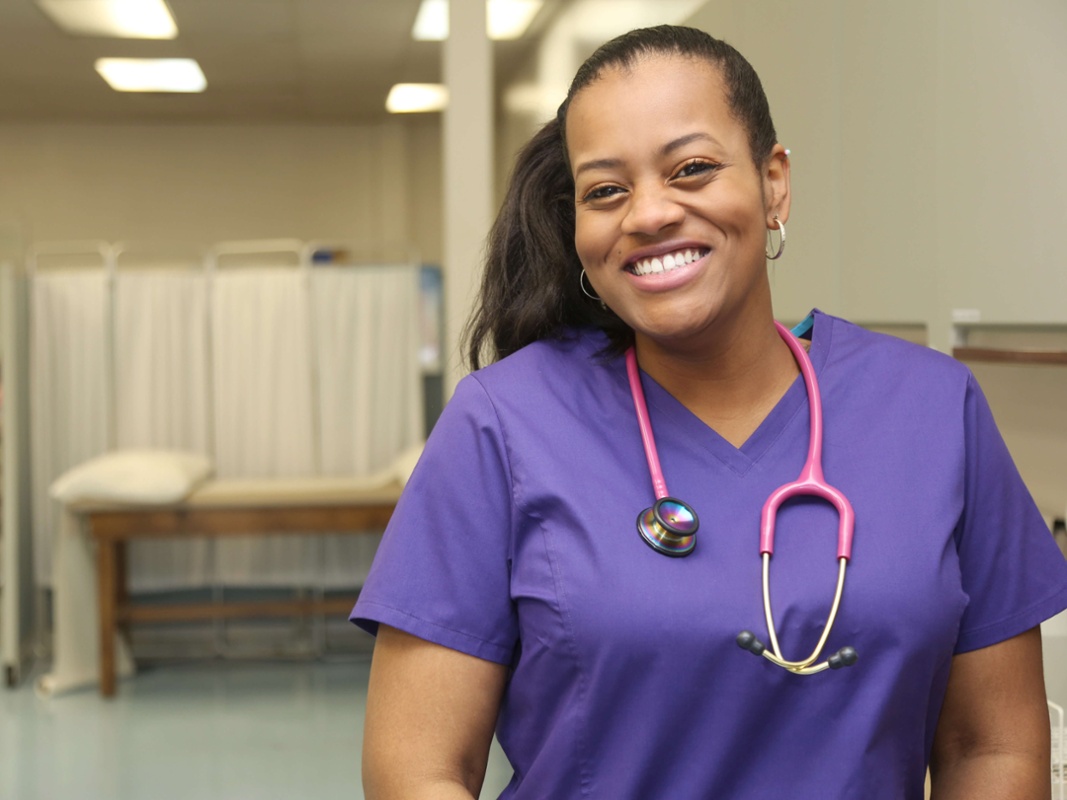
(670, 525)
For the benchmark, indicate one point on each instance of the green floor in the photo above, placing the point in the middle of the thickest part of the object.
(210, 730)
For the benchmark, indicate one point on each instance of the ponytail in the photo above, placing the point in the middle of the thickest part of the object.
(530, 287)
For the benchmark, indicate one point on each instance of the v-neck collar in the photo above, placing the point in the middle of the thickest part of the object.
(792, 403)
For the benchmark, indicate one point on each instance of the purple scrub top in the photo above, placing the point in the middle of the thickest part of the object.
(516, 541)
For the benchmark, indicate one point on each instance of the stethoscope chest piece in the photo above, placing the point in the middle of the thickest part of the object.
(669, 527)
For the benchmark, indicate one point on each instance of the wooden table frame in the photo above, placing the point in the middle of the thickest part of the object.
(112, 528)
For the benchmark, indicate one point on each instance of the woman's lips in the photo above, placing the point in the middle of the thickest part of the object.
(666, 261)
(646, 275)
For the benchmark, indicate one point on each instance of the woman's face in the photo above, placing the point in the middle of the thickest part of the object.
(671, 213)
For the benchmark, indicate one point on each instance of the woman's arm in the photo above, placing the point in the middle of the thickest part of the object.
(992, 740)
(431, 712)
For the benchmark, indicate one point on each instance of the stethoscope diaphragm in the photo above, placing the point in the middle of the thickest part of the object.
(669, 526)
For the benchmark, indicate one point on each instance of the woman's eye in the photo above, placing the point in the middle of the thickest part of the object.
(601, 193)
(694, 168)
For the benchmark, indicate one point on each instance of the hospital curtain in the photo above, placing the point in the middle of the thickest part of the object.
(262, 398)
(160, 349)
(366, 340)
(70, 392)
(273, 372)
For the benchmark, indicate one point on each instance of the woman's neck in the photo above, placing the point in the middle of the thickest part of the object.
(731, 383)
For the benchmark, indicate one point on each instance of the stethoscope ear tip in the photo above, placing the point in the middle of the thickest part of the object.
(747, 640)
(845, 657)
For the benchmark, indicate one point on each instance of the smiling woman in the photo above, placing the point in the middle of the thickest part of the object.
(646, 196)
(522, 586)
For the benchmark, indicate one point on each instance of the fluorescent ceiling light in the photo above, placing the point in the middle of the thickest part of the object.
(128, 19)
(152, 74)
(431, 23)
(412, 98)
(505, 19)
(509, 19)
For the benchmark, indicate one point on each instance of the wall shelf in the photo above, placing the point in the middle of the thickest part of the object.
(990, 355)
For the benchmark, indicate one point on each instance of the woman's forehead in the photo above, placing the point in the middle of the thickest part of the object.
(651, 97)
(654, 79)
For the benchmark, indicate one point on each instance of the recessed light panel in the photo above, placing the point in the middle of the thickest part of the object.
(152, 74)
(509, 19)
(431, 23)
(505, 19)
(126, 19)
(413, 98)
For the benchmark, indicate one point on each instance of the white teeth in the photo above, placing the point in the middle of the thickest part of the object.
(647, 266)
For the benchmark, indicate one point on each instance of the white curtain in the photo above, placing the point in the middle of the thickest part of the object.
(160, 349)
(262, 394)
(70, 392)
(367, 338)
(161, 359)
(274, 372)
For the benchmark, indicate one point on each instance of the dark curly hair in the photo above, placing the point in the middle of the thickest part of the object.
(530, 289)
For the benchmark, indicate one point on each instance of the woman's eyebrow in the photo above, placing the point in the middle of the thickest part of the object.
(667, 149)
(681, 141)
(599, 163)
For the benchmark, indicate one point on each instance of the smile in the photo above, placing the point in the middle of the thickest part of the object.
(667, 262)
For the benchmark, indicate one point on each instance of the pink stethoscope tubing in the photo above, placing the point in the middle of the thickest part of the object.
(809, 483)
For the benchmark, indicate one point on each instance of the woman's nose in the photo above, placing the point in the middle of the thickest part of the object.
(651, 210)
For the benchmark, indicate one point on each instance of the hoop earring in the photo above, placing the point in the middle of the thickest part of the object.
(781, 241)
(583, 279)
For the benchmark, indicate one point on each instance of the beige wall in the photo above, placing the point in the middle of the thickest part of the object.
(190, 186)
(926, 175)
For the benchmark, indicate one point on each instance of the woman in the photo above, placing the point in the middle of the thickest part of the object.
(513, 590)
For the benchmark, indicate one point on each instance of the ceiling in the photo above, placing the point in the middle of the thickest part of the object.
(327, 61)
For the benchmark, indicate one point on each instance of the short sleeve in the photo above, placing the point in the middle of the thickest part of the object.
(1012, 571)
(442, 570)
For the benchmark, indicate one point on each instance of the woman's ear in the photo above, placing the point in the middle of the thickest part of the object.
(776, 185)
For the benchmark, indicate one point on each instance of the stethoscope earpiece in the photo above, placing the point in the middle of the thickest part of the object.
(845, 657)
(747, 640)
(669, 527)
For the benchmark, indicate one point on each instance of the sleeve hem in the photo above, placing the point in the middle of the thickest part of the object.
(1014, 625)
(368, 615)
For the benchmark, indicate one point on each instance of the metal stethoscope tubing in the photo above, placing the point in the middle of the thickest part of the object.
(670, 525)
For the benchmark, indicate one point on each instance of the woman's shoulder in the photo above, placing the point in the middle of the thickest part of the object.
(575, 353)
(880, 353)
(547, 379)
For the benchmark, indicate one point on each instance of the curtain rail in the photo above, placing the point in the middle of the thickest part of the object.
(107, 252)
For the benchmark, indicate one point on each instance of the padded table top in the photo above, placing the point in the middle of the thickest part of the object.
(268, 492)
